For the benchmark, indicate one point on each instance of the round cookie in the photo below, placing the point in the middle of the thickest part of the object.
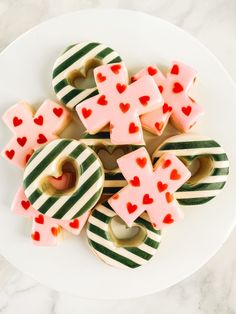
(114, 180)
(75, 62)
(51, 160)
(213, 166)
(121, 253)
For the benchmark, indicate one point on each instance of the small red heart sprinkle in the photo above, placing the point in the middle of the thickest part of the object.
(21, 141)
(161, 88)
(39, 219)
(38, 120)
(115, 196)
(35, 236)
(133, 128)
(175, 69)
(135, 181)
(17, 121)
(121, 87)
(177, 88)
(168, 219)
(141, 162)
(144, 100)
(159, 125)
(27, 157)
(162, 186)
(166, 163)
(147, 199)
(133, 79)
(131, 207)
(41, 139)
(116, 68)
(74, 224)
(169, 197)
(55, 231)
(187, 110)
(86, 112)
(154, 225)
(166, 108)
(25, 204)
(10, 153)
(58, 112)
(152, 71)
(175, 175)
(124, 107)
(102, 100)
(101, 78)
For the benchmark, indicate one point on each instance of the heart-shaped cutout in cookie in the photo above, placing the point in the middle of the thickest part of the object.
(124, 236)
(63, 181)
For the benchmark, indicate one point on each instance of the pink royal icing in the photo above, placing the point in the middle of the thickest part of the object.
(32, 130)
(150, 189)
(119, 104)
(182, 109)
(46, 231)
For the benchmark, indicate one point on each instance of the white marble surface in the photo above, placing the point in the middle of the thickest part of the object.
(213, 288)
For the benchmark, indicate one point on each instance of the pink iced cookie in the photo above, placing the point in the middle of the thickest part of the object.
(32, 130)
(119, 104)
(150, 189)
(46, 231)
(182, 109)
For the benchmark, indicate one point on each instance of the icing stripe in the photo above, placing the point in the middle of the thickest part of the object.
(100, 240)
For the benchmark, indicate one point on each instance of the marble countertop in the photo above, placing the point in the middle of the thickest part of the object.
(213, 288)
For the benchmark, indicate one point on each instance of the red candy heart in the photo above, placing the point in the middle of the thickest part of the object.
(121, 87)
(21, 141)
(102, 100)
(177, 88)
(38, 120)
(166, 108)
(162, 186)
(168, 219)
(159, 125)
(86, 112)
(135, 181)
(169, 197)
(175, 69)
(39, 219)
(160, 87)
(116, 68)
(58, 112)
(152, 71)
(25, 204)
(124, 107)
(147, 199)
(187, 110)
(35, 236)
(133, 128)
(175, 175)
(101, 78)
(141, 162)
(10, 153)
(41, 139)
(17, 121)
(74, 224)
(131, 207)
(144, 100)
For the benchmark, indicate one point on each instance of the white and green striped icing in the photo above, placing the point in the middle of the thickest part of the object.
(74, 58)
(189, 147)
(102, 244)
(114, 180)
(88, 186)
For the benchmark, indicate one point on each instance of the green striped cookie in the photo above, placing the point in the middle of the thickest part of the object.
(48, 161)
(212, 174)
(126, 253)
(114, 179)
(75, 61)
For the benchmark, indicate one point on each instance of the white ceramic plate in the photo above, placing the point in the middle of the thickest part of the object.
(140, 39)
